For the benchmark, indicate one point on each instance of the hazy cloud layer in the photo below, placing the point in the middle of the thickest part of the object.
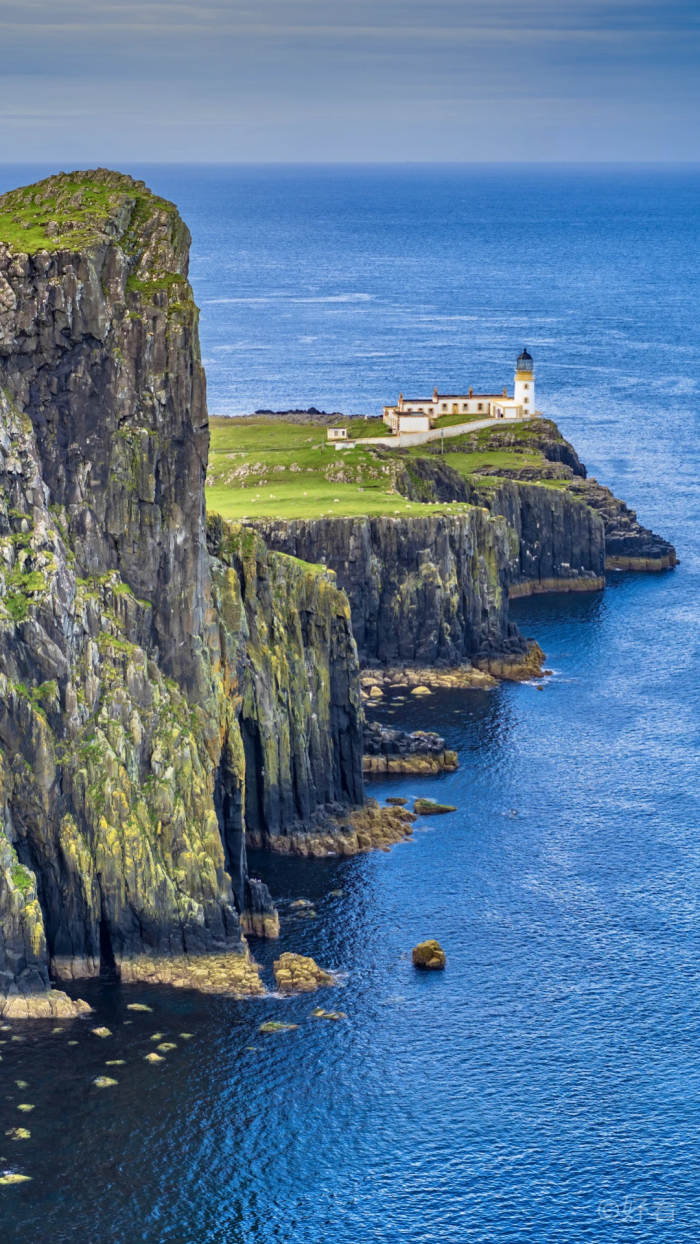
(88, 80)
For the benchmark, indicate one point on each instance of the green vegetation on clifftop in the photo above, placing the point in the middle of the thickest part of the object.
(264, 468)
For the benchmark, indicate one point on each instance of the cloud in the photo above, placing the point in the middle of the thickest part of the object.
(333, 79)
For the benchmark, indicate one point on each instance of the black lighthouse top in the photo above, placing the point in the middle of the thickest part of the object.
(524, 361)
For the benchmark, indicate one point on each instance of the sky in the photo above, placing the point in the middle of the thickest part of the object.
(99, 81)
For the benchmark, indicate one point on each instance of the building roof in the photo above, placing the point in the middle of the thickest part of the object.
(443, 397)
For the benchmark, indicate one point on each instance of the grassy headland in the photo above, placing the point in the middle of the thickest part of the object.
(74, 211)
(265, 468)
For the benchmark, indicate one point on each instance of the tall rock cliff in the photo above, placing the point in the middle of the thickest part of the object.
(141, 681)
(99, 348)
(423, 591)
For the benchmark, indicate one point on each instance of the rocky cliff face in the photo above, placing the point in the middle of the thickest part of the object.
(560, 525)
(99, 348)
(422, 591)
(150, 695)
(292, 752)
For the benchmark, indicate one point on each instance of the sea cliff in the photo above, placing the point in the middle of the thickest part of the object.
(152, 691)
(176, 688)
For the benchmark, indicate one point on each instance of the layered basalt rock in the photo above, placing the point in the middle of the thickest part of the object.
(343, 831)
(570, 529)
(149, 693)
(99, 348)
(292, 752)
(628, 545)
(422, 591)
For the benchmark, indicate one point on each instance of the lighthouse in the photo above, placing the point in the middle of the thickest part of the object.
(524, 392)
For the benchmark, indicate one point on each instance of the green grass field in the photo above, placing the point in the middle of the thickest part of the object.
(467, 464)
(261, 468)
(448, 421)
(265, 469)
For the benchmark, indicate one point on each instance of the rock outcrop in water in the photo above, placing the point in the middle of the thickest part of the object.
(151, 694)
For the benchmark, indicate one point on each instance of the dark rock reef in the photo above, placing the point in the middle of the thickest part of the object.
(396, 751)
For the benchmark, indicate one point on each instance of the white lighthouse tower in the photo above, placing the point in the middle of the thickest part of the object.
(524, 391)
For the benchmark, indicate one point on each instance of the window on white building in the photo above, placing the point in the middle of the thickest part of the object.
(444, 405)
(480, 406)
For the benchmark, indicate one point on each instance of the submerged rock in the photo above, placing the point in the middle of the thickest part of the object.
(274, 1025)
(138, 1006)
(299, 974)
(429, 955)
(104, 1082)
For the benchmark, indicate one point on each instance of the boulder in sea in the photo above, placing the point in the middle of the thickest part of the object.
(104, 1082)
(138, 1006)
(429, 955)
(299, 974)
(421, 691)
(102, 1032)
(397, 801)
(274, 1025)
(430, 807)
(154, 1058)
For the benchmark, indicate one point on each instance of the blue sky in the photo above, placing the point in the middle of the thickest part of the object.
(88, 81)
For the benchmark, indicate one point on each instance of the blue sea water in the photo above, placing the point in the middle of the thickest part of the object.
(546, 1087)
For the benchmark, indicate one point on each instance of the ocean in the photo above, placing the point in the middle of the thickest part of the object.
(545, 1087)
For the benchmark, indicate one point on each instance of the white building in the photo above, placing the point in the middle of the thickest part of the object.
(418, 414)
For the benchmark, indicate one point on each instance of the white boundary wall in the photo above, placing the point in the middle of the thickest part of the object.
(406, 439)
